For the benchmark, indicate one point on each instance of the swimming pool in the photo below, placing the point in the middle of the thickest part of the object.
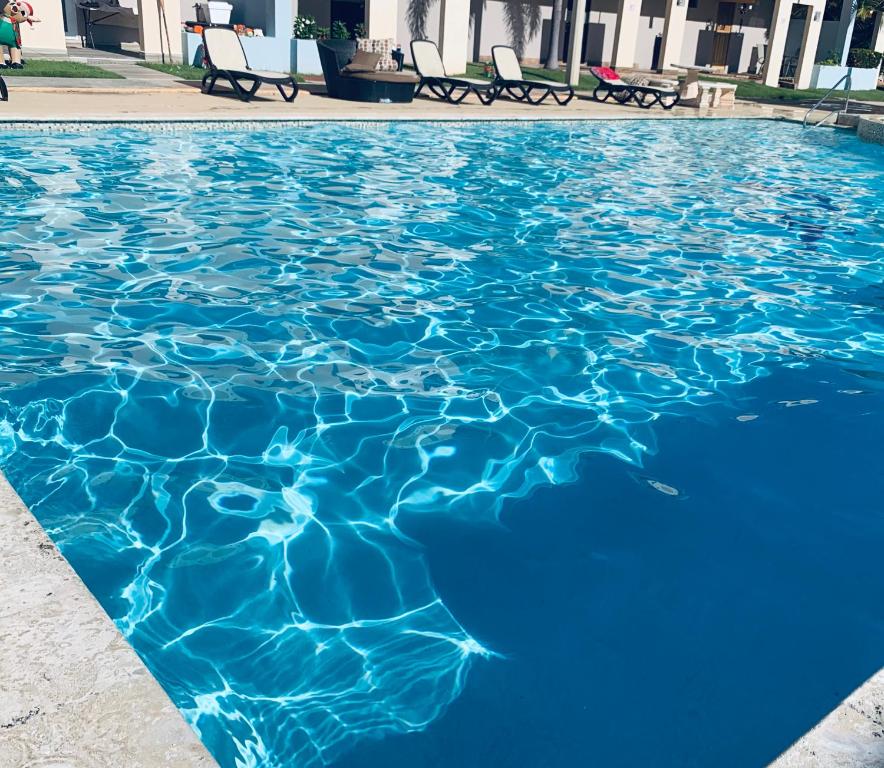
(434, 445)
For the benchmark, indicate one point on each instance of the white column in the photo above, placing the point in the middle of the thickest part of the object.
(846, 22)
(626, 33)
(776, 43)
(380, 19)
(575, 45)
(673, 34)
(454, 35)
(152, 29)
(812, 26)
(878, 34)
(45, 35)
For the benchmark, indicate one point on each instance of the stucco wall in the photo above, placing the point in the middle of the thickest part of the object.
(47, 35)
(489, 27)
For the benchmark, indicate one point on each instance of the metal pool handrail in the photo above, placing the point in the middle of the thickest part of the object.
(810, 111)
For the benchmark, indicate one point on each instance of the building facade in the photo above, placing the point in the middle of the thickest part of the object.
(729, 36)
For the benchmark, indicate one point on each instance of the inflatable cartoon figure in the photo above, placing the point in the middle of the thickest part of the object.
(11, 18)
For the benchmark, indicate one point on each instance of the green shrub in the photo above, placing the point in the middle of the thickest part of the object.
(359, 31)
(305, 28)
(832, 60)
(864, 58)
(339, 31)
(323, 33)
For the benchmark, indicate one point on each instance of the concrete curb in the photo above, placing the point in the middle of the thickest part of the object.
(73, 694)
(852, 736)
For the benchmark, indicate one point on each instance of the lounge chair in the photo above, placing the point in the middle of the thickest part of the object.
(611, 85)
(4, 91)
(351, 74)
(428, 63)
(511, 80)
(227, 60)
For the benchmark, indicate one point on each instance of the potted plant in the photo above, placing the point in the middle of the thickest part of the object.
(305, 55)
(338, 37)
(863, 65)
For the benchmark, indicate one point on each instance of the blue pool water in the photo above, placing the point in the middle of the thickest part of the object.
(438, 445)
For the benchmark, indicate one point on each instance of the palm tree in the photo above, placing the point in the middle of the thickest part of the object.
(523, 19)
(416, 14)
(552, 56)
(859, 9)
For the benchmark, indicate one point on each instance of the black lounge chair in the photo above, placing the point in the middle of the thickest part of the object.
(611, 85)
(355, 81)
(4, 91)
(227, 59)
(511, 80)
(428, 63)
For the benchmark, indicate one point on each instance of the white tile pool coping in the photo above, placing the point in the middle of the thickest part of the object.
(73, 693)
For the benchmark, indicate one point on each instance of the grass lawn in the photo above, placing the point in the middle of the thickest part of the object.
(757, 91)
(186, 71)
(587, 82)
(51, 68)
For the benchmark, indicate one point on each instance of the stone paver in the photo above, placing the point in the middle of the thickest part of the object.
(73, 693)
(852, 736)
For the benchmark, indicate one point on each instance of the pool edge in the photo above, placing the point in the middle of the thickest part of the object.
(850, 736)
(74, 690)
(164, 124)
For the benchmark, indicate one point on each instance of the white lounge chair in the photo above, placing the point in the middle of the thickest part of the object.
(428, 63)
(227, 59)
(511, 80)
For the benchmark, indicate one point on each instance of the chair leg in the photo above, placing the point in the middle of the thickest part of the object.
(288, 97)
(537, 102)
(4, 91)
(642, 100)
(486, 98)
(208, 82)
(563, 102)
(256, 84)
(452, 99)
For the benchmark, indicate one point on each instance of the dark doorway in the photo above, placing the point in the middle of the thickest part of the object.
(569, 11)
(724, 25)
(351, 12)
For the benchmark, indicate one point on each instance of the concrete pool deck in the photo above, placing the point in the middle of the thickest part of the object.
(852, 736)
(114, 101)
(158, 103)
(73, 693)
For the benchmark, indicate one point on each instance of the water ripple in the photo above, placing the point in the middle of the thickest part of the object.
(232, 362)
